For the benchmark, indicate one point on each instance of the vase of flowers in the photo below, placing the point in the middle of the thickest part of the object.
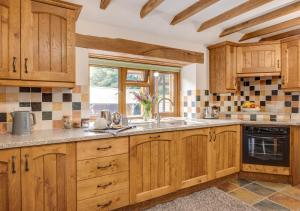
(147, 101)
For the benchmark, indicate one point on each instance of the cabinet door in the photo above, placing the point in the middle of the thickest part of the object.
(217, 62)
(152, 166)
(230, 71)
(259, 59)
(48, 37)
(193, 157)
(10, 39)
(10, 190)
(226, 150)
(49, 178)
(291, 64)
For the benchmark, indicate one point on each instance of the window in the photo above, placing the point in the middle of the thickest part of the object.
(112, 87)
(164, 86)
(104, 89)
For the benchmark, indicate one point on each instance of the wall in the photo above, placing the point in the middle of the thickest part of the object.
(265, 92)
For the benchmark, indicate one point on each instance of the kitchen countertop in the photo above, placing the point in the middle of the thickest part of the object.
(74, 135)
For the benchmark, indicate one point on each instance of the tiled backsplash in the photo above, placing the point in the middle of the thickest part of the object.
(48, 104)
(266, 92)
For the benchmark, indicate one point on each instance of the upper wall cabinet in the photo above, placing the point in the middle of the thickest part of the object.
(259, 60)
(222, 68)
(291, 63)
(10, 39)
(44, 54)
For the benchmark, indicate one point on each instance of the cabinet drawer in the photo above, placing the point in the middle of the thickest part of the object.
(101, 185)
(108, 201)
(97, 167)
(101, 148)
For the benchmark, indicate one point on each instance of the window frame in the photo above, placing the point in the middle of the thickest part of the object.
(149, 80)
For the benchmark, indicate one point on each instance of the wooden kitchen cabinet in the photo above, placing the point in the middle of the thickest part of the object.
(152, 166)
(259, 59)
(38, 43)
(10, 181)
(225, 151)
(291, 63)
(222, 68)
(194, 152)
(10, 39)
(48, 42)
(49, 177)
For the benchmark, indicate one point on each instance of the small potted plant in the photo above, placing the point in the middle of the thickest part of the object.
(147, 101)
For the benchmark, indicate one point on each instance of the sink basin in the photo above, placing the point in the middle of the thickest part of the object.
(165, 123)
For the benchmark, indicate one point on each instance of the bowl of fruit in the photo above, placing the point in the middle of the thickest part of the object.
(250, 106)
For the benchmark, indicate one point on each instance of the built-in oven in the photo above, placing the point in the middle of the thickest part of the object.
(265, 145)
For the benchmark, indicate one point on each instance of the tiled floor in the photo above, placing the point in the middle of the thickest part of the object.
(264, 195)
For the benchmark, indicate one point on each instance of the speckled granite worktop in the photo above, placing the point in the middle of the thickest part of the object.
(74, 135)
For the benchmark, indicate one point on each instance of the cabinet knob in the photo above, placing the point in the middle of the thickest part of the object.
(26, 163)
(26, 66)
(104, 167)
(104, 148)
(158, 136)
(104, 185)
(13, 165)
(104, 205)
(14, 64)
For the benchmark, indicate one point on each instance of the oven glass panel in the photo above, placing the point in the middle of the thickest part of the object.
(266, 147)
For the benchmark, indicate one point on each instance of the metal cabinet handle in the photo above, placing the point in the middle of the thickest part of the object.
(26, 162)
(283, 80)
(14, 64)
(158, 136)
(278, 64)
(104, 205)
(104, 167)
(13, 165)
(26, 67)
(104, 185)
(104, 148)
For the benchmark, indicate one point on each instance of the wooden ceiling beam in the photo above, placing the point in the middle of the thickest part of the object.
(282, 35)
(272, 29)
(138, 48)
(104, 4)
(236, 11)
(192, 10)
(149, 7)
(263, 18)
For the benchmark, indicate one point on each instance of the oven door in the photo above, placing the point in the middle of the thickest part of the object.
(266, 150)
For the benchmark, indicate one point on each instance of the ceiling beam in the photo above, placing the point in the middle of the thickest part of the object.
(272, 29)
(104, 4)
(282, 35)
(263, 18)
(192, 10)
(138, 48)
(236, 11)
(149, 6)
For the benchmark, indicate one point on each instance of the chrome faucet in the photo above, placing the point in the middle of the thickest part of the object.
(157, 108)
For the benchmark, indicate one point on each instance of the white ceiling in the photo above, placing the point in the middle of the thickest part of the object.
(125, 14)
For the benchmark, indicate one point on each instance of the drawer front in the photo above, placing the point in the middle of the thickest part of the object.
(102, 185)
(102, 148)
(97, 167)
(108, 201)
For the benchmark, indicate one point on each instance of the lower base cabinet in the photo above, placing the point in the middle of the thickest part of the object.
(207, 154)
(38, 178)
(165, 162)
(152, 166)
(10, 180)
(49, 177)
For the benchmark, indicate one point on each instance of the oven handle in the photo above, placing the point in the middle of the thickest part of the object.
(267, 137)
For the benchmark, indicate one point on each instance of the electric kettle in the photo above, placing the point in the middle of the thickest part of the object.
(22, 122)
